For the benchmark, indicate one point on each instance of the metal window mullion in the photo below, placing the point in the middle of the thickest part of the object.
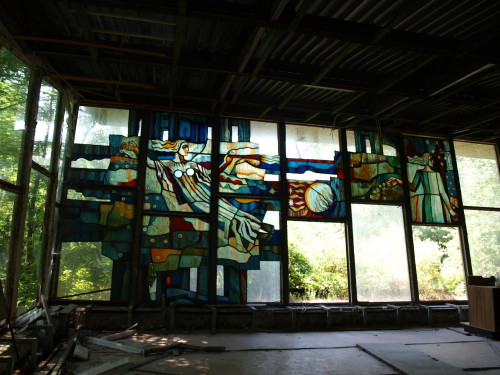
(50, 206)
(70, 140)
(214, 211)
(285, 282)
(407, 220)
(349, 236)
(138, 212)
(464, 239)
(23, 180)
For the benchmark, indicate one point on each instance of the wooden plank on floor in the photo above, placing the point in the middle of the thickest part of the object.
(408, 360)
(114, 345)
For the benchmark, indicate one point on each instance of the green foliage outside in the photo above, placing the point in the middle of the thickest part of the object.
(83, 269)
(317, 262)
(14, 80)
(438, 258)
(7, 200)
(32, 249)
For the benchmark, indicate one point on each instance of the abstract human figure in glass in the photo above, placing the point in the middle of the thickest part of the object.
(429, 199)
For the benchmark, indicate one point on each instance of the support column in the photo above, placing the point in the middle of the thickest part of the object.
(214, 211)
(285, 282)
(23, 180)
(50, 205)
(407, 220)
(351, 264)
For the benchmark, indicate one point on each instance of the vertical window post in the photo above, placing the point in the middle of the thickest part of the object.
(24, 174)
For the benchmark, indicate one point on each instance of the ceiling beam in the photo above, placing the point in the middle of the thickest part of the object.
(180, 32)
(80, 43)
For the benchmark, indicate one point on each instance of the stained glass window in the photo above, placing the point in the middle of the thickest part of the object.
(100, 204)
(249, 164)
(374, 166)
(433, 194)
(177, 249)
(314, 166)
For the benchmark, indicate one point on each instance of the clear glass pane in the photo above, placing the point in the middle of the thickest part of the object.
(33, 231)
(265, 134)
(95, 125)
(380, 253)
(438, 258)
(307, 142)
(84, 273)
(44, 132)
(317, 262)
(264, 284)
(7, 201)
(483, 230)
(478, 172)
(14, 81)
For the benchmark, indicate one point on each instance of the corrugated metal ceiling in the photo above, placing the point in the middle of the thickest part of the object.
(402, 63)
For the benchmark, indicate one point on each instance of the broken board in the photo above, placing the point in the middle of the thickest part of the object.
(408, 360)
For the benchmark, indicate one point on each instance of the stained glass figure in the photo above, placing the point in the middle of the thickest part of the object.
(178, 176)
(431, 180)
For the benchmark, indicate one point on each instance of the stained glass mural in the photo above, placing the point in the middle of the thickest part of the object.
(248, 233)
(177, 180)
(109, 222)
(321, 197)
(248, 227)
(249, 163)
(374, 164)
(101, 199)
(178, 176)
(371, 177)
(177, 247)
(431, 177)
(314, 173)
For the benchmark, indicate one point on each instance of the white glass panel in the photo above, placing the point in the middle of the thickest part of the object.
(483, 231)
(264, 284)
(380, 253)
(96, 124)
(478, 173)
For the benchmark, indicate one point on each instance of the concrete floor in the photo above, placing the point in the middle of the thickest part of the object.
(298, 353)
